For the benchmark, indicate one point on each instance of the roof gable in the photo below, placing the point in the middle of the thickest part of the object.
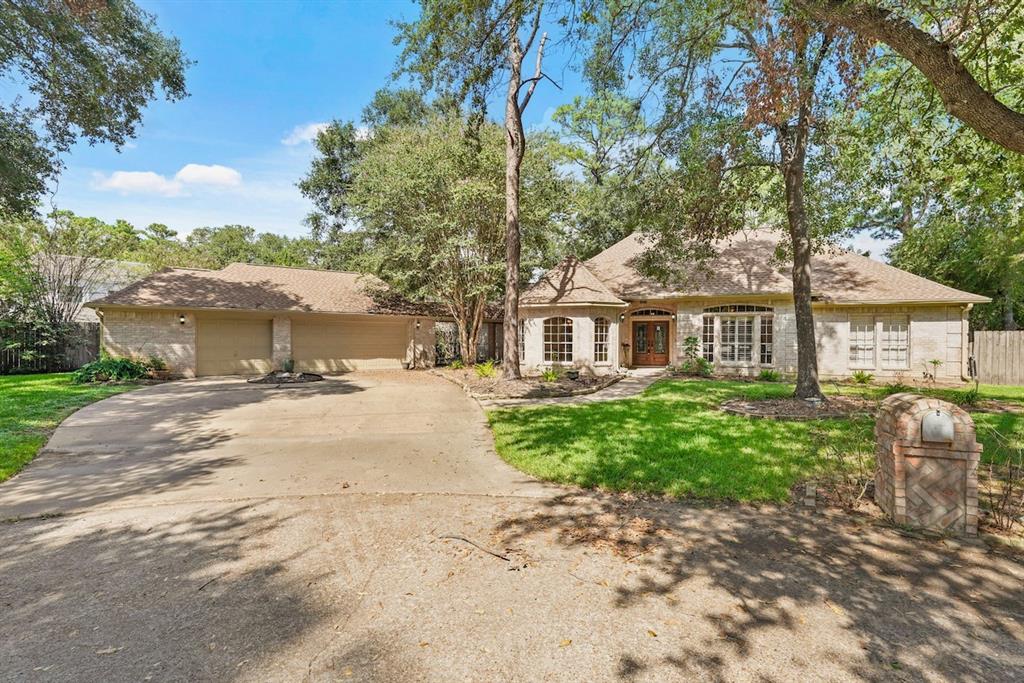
(569, 283)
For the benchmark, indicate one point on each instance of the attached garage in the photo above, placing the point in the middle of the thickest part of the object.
(357, 343)
(248, 319)
(233, 346)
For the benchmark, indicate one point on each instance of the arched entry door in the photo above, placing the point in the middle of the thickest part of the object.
(650, 338)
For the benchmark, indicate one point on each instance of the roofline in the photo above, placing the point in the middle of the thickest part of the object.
(553, 304)
(97, 305)
(978, 299)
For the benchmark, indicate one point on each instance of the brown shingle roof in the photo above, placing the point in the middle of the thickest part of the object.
(569, 282)
(242, 286)
(744, 265)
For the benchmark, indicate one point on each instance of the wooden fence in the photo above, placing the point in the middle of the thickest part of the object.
(23, 351)
(999, 357)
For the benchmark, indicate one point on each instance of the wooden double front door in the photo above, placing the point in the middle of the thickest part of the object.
(650, 343)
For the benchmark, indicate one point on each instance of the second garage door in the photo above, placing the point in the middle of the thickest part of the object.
(356, 344)
(233, 346)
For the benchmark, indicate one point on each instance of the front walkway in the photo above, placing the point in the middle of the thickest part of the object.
(634, 384)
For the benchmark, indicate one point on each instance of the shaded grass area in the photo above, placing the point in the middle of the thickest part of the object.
(674, 440)
(31, 407)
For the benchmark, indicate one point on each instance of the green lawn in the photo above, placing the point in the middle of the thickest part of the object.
(31, 406)
(674, 440)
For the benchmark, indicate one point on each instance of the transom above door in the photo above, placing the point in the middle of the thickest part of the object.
(650, 342)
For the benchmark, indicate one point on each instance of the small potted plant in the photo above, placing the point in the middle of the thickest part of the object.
(158, 368)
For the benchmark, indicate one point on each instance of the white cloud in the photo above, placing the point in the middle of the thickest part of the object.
(303, 134)
(200, 174)
(129, 182)
(148, 182)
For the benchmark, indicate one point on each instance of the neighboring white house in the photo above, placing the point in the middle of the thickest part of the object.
(603, 315)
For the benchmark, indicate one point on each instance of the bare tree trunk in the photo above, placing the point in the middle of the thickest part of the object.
(793, 146)
(513, 249)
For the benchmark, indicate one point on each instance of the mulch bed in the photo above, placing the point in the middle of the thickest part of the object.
(799, 409)
(527, 387)
(286, 378)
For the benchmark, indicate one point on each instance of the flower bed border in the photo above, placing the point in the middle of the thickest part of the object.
(606, 381)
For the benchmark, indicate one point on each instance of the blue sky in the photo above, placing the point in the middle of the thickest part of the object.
(266, 75)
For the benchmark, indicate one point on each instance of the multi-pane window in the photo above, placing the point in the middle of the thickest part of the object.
(601, 331)
(862, 341)
(737, 339)
(707, 338)
(765, 340)
(558, 340)
(522, 340)
(895, 342)
(738, 336)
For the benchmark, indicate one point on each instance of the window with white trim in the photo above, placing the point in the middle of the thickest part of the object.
(737, 339)
(862, 341)
(895, 343)
(740, 331)
(707, 338)
(602, 326)
(558, 340)
(765, 339)
(522, 340)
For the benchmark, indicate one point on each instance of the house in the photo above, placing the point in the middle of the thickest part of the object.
(248, 319)
(603, 315)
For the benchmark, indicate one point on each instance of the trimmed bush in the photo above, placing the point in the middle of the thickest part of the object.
(111, 369)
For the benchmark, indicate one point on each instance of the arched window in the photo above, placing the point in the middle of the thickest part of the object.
(601, 328)
(651, 312)
(558, 340)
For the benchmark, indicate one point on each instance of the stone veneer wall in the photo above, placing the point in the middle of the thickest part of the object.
(281, 342)
(141, 334)
(936, 332)
(582, 318)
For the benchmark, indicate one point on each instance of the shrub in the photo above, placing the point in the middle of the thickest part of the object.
(288, 365)
(157, 364)
(485, 370)
(457, 364)
(861, 377)
(768, 376)
(694, 363)
(897, 386)
(968, 397)
(110, 368)
(550, 375)
(1003, 484)
(843, 475)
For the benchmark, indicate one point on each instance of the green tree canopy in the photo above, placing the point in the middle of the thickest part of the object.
(89, 68)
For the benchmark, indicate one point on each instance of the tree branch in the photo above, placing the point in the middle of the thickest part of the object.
(962, 95)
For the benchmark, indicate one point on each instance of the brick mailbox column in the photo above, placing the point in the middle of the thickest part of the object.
(927, 457)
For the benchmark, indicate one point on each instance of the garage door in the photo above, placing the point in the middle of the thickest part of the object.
(233, 347)
(356, 344)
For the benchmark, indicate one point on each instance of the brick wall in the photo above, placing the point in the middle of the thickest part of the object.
(141, 334)
(582, 317)
(928, 484)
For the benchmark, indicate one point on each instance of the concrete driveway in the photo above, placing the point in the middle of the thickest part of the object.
(222, 438)
(207, 534)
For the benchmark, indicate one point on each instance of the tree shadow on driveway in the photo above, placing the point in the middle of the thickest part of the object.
(753, 585)
(147, 441)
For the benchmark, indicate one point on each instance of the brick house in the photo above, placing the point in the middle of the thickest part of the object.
(603, 315)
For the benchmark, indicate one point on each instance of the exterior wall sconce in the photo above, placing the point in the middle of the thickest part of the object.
(181, 318)
(417, 324)
(622, 317)
(673, 316)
